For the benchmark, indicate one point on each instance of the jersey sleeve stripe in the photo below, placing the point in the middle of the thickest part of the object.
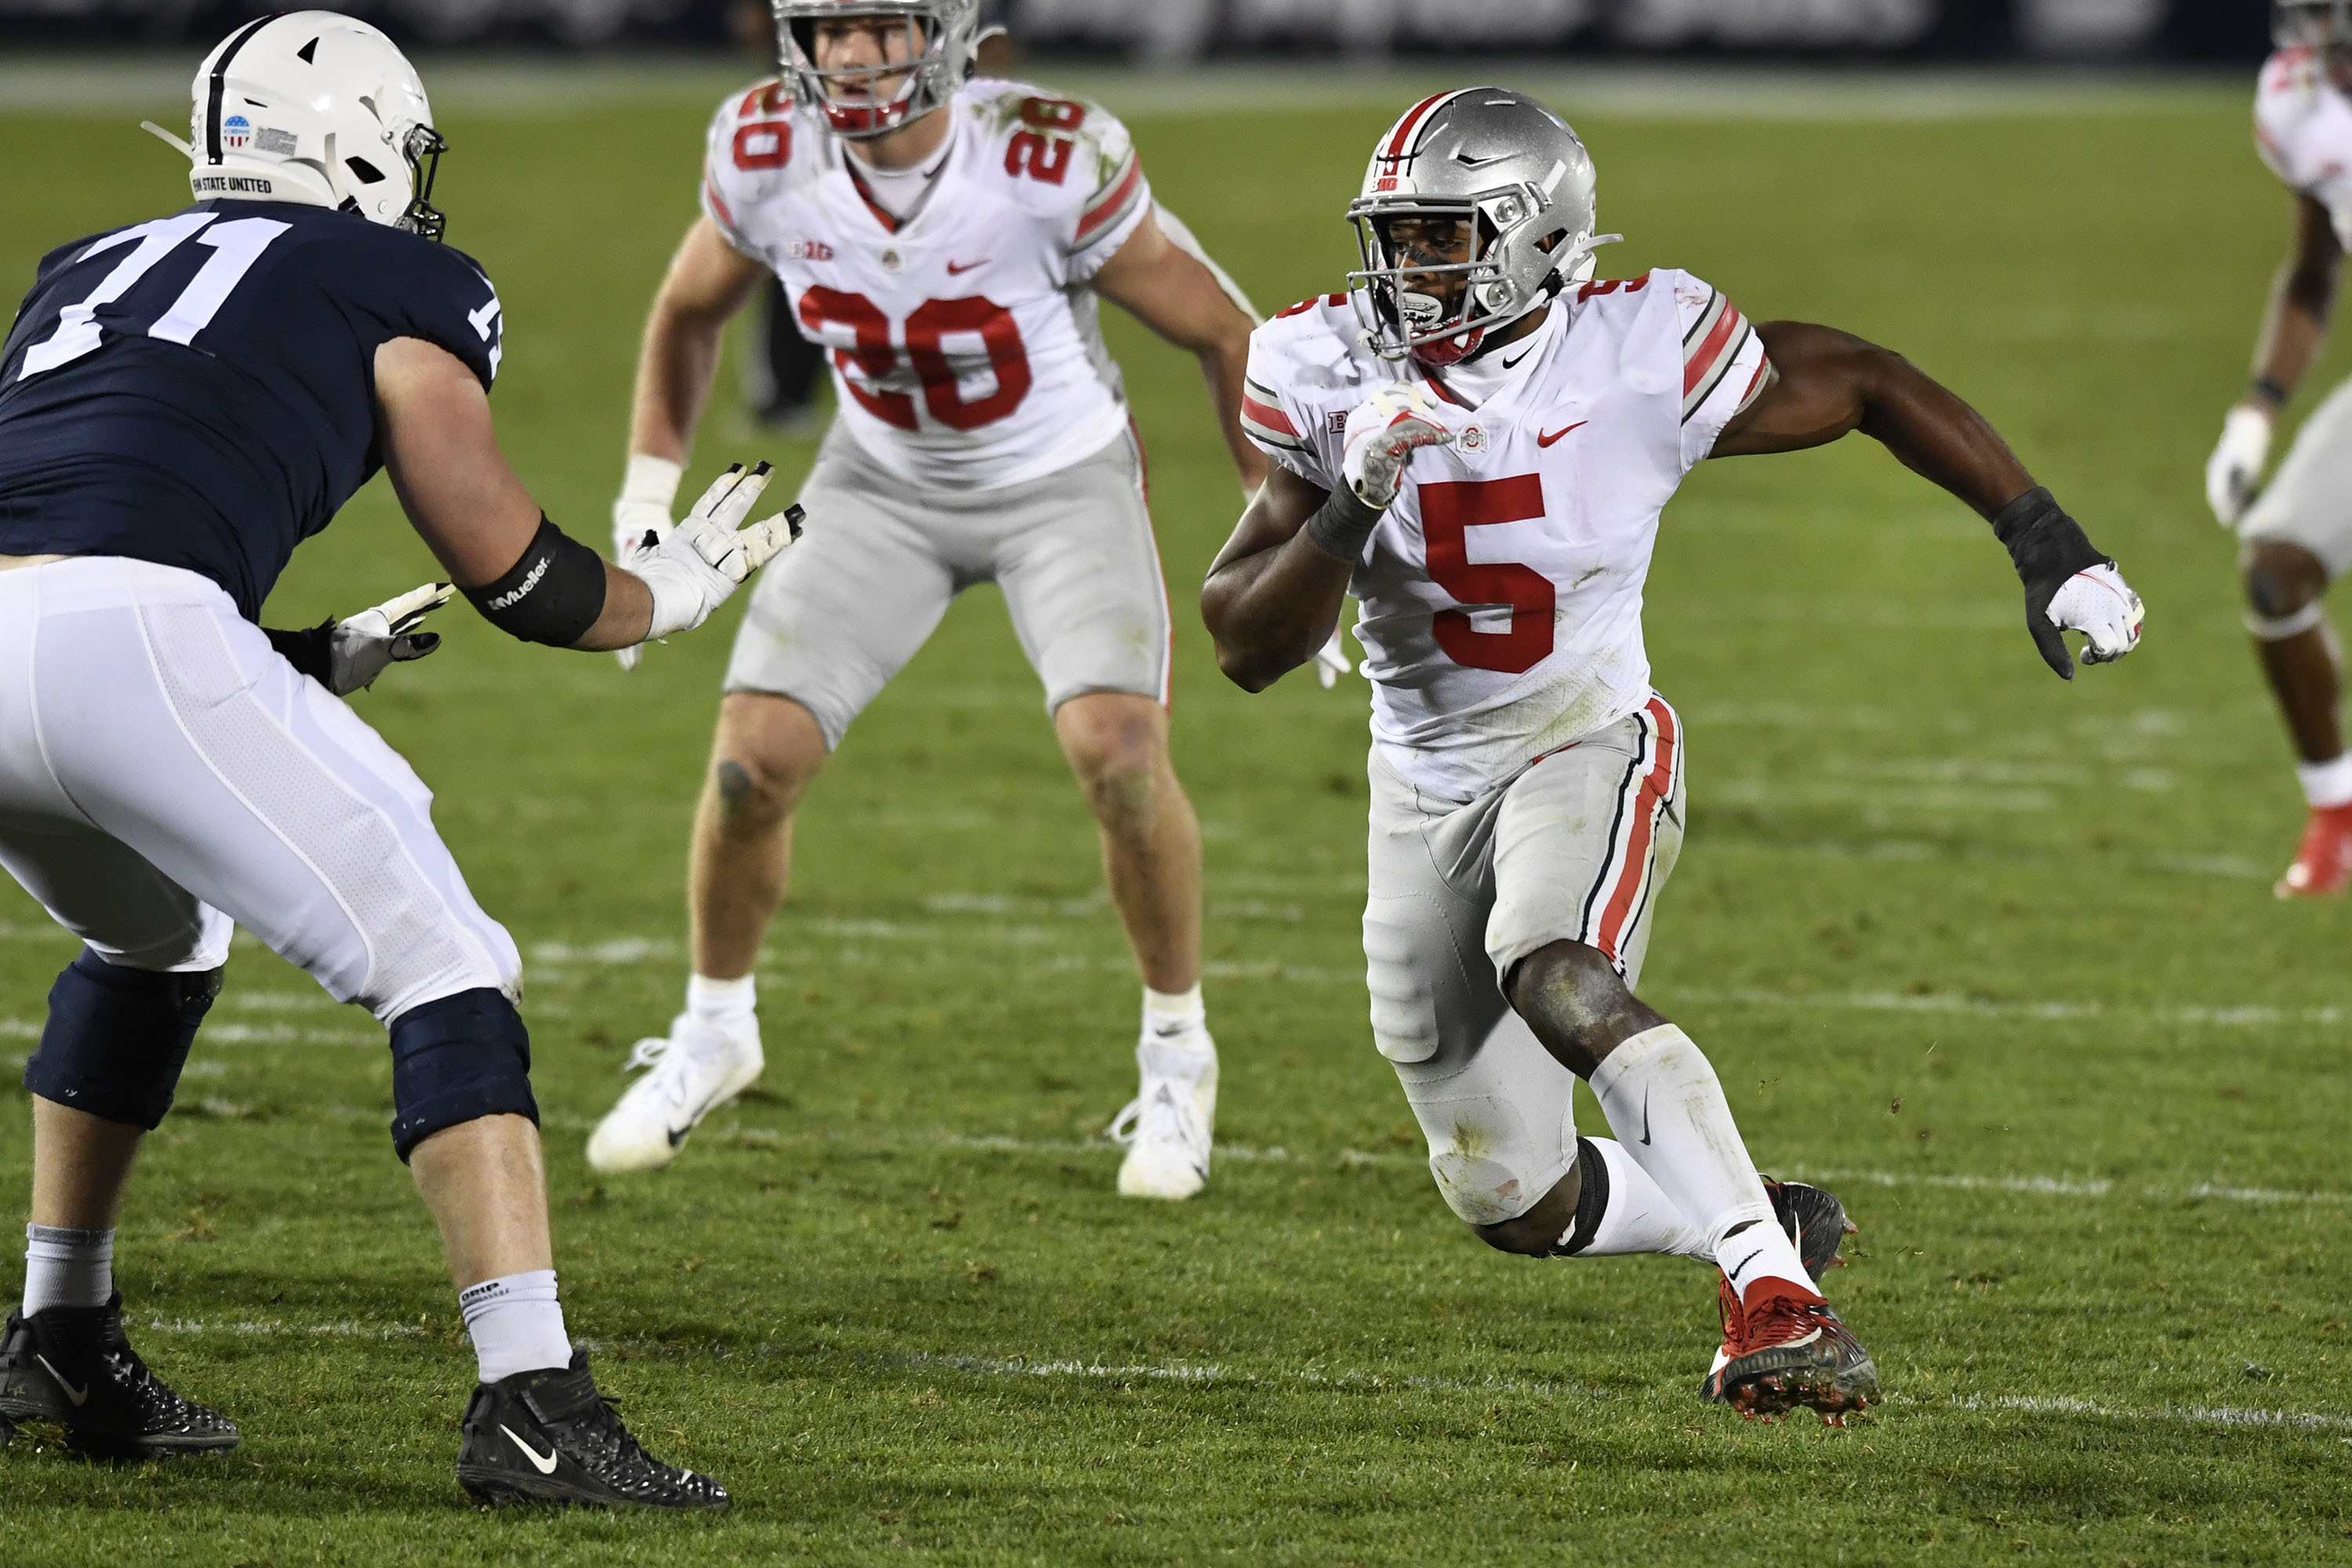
(717, 203)
(1707, 365)
(1116, 202)
(1268, 414)
(1755, 383)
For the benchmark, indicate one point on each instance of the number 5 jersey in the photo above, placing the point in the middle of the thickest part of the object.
(964, 341)
(1502, 594)
(199, 391)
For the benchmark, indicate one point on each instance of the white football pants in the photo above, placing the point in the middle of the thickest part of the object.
(164, 773)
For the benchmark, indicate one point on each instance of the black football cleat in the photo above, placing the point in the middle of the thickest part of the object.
(550, 1437)
(1815, 1221)
(73, 1368)
(1790, 1352)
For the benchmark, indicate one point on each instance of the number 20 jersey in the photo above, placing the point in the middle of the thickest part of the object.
(199, 391)
(1501, 596)
(964, 341)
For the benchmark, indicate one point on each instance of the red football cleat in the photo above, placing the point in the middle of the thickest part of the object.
(2322, 863)
(1787, 1350)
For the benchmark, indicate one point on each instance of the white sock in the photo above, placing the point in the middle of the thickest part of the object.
(731, 1004)
(66, 1267)
(1634, 1215)
(517, 1324)
(1168, 1013)
(2328, 783)
(1664, 1102)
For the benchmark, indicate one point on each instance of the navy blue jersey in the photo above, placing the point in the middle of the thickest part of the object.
(200, 390)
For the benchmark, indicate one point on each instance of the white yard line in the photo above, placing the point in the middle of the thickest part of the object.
(1081, 1370)
(2251, 1015)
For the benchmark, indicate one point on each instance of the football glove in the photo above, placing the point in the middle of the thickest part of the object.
(1382, 435)
(641, 517)
(346, 655)
(2235, 472)
(2069, 586)
(1331, 662)
(693, 568)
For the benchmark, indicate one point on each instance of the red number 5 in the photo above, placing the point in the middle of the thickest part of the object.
(1447, 512)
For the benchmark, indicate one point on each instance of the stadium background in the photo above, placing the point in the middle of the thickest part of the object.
(1993, 955)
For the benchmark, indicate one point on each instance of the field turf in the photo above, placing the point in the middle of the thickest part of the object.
(1993, 955)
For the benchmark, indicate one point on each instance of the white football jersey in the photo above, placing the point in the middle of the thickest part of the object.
(1502, 594)
(966, 349)
(2302, 128)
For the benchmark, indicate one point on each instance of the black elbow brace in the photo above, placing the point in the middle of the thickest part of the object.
(553, 595)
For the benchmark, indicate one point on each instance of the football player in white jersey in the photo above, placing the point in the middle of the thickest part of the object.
(2297, 531)
(1479, 449)
(947, 239)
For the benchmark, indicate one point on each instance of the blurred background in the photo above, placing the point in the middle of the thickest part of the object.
(1162, 31)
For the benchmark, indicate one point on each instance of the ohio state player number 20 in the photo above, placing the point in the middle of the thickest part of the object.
(1448, 511)
(925, 334)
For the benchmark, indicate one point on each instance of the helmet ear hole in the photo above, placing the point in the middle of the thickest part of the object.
(368, 173)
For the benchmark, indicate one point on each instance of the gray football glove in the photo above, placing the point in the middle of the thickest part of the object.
(346, 655)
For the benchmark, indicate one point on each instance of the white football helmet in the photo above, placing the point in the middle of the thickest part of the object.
(1511, 169)
(317, 108)
(942, 60)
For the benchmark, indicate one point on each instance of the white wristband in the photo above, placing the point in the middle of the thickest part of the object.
(652, 480)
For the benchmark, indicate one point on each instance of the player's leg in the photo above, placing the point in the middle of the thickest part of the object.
(1496, 1110)
(829, 623)
(1080, 570)
(2297, 537)
(1568, 966)
(270, 802)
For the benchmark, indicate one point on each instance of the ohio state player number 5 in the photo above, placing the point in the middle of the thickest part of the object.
(1448, 511)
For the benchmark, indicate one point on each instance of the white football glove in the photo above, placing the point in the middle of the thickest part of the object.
(1381, 437)
(1332, 662)
(693, 568)
(641, 517)
(2235, 472)
(360, 647)
(2099, 604)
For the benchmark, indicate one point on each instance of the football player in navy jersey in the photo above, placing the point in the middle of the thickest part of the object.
(182, 403)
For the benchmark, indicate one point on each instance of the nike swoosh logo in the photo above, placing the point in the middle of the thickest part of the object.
(1734, 1270)
(80, 1396)
(1646, 1119)
(678, 1135)
(1546, 440)
(956, 268)
(1513, 364)
(546, 1466)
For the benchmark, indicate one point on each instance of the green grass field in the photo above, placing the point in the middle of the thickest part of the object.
(1994, 956)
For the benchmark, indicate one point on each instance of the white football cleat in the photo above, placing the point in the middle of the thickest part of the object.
(1169, 1126)
(696, 1069)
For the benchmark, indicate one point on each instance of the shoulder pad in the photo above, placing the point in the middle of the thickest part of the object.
(1315, 345)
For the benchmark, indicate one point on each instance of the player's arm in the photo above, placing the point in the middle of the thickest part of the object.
(1822, 383)
(1274, 591)
(709, 281)
(517, 568)
(1169, 290)
(1273, 596)
(2294, 329)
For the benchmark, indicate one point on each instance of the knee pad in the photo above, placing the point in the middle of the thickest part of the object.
(456, 1060)
(2278, 628)
(1501, 1129)
(117, 1039)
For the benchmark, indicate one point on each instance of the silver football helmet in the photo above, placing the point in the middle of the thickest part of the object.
(2316, 24)
(945, 37)
(1515, 173)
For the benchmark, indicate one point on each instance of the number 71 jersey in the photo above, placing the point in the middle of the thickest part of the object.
(964, 340)
(1501, 596)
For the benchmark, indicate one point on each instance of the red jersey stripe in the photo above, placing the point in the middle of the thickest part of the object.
(1268, 414)
(1701, 360)
(1113, 203)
